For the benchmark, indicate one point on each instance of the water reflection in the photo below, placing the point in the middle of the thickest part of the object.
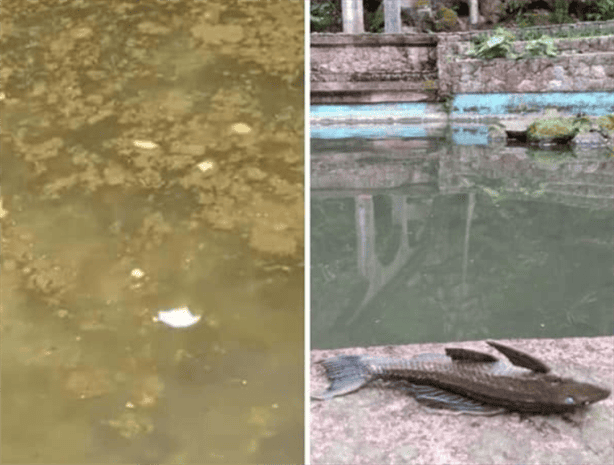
(153, 165)
(412, 242)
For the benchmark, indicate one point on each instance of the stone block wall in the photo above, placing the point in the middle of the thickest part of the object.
(582, 65)
(367, 68)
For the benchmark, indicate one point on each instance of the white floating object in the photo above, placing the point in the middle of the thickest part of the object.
(177, 317)
(137, 273)
(206, 165)
(3, 212)
(145, 144)
(241, 128)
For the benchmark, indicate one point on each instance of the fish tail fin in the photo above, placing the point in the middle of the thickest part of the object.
(346, 373)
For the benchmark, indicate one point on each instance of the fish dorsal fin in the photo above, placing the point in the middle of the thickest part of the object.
(520, 359)
(467, 355)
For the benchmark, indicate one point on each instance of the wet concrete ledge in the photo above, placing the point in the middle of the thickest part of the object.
(381, 426)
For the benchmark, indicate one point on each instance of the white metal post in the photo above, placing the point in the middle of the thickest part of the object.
(473, 12)
(392, 16)
(351, 10)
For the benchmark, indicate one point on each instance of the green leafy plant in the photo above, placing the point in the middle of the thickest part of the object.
(500, 45)
(531, 35)
(561, 12)
(322, 15)
(375, 21)
(525, 20)
(605, 11)
(477, 40)
(540, 47)
(513, 6)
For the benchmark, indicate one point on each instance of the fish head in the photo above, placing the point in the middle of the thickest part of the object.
(571, 393)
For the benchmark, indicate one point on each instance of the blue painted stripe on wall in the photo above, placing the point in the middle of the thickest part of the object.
(591, 103)
(375, 111)
(353, 120)
(372, 131)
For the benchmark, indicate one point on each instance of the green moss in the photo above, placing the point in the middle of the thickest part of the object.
(548, 128)
(446, 19)
(606, 122)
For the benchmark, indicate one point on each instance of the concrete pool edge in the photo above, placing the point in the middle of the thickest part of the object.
(376, 426)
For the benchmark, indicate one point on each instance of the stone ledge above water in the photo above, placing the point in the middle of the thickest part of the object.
(377, 426)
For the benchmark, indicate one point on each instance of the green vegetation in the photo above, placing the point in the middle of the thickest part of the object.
(525, 15)
(445, 19)
(605, 11)
(501, 45)
(564, 33)
(606, 122)
(521, 14)
(540, 47)
(323, 15)
(561, 12)
(545, 129)
(527, 20)
(374, 21)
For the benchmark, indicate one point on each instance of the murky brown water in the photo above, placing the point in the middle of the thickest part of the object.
(152, 158)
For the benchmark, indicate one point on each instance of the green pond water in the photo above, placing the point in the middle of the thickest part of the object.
(415, 240)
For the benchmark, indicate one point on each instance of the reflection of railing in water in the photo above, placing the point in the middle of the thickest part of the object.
(377, 274)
